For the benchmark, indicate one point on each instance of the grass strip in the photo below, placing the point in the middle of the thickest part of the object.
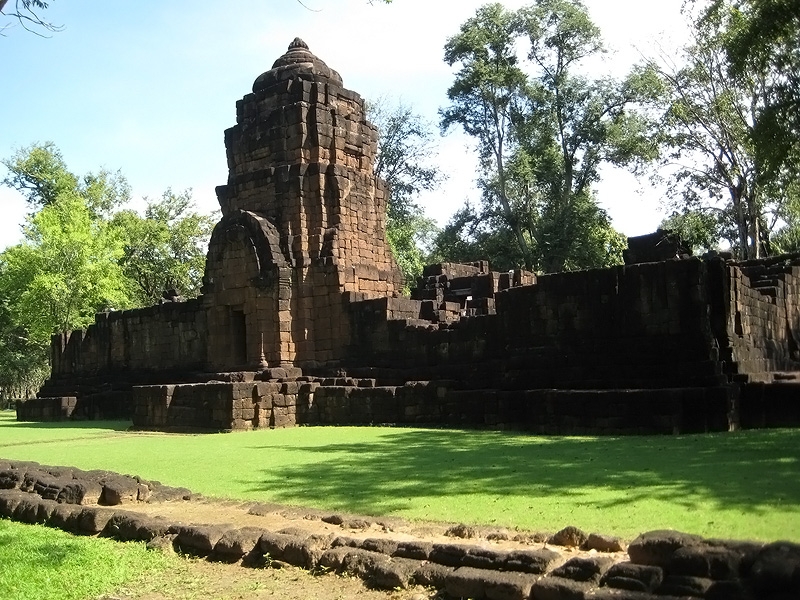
(734, 485)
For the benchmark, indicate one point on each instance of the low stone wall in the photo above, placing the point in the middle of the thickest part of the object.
(224, 406)
(170, 336)
(659, 565)
(46, 409)
(767, 405)
(108, 405)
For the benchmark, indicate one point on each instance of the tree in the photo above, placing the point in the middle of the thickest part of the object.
(699, 228)
(764, 38)
(471, 235)
(484, 99)
(543, 133)
(40, 174)
(23, 365)
(710, 126)
(406, 152)
(786, 237)
(64, 271)
(27, 13)
(81, 254)
(165, 249)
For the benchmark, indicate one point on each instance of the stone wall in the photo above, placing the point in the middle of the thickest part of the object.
(762, 328)
(347, 401)
(631, 326)
(168, 337)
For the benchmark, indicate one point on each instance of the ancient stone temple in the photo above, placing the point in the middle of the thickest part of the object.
(300, 320)
(303, 221)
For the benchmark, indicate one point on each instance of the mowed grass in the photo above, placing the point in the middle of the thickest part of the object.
(47, 564)
(733, 485)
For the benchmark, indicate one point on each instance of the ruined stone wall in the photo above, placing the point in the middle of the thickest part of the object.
(167, 337)
(348, 401)
(635, 326)
(761, 331)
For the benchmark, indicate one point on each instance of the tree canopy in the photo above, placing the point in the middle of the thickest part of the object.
(406, 153)
(542, 131)
(715, 115)
(763, 37)
(165, 248)
(82, 253)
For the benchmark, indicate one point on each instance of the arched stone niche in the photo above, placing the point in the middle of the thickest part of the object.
(247, 286)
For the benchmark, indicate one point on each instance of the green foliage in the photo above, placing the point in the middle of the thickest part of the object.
(622, 486)
(542, 133)
(407, 238)
(164, 249)
(764, 38)
(23, 364)
(701, 229)
(468, 236)
(81, 255)
(786, 238)
(40, 174)
(38, 562)
(64, 271)
(720, 133)
(405, 154)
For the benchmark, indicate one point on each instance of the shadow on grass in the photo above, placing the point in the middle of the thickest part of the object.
(750, 471)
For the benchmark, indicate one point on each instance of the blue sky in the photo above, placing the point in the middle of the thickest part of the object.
(149, 87)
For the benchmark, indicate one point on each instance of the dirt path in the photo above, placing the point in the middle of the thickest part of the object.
(197, 579)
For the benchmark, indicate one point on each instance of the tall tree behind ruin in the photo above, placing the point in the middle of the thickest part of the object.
(164, 249)
(766, 37)
(713, 133)
(543, 130)
(82, 253)
(405, 161)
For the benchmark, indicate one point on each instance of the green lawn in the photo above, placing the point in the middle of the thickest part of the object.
(42, 563)
(736, 485)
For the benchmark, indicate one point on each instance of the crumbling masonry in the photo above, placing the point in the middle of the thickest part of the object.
(301, 320)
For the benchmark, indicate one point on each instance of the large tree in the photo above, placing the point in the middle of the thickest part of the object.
(65, 270)
(165, 248)
(406, 162)
(764, 36)
(484, 100)
(23, 363)
(39, 173)
(543, 130)
(82, 253)
(711, 126)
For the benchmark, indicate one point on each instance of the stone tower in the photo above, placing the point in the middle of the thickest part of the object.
(303, 230)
